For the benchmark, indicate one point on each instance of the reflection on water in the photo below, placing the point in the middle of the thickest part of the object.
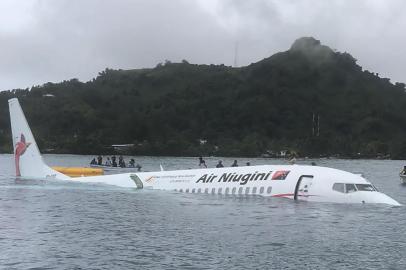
(67, 225)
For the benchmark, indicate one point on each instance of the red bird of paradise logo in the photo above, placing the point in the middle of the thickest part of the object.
(280, 175)
(21, 147)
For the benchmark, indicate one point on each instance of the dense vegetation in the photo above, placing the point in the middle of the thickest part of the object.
(310, 100)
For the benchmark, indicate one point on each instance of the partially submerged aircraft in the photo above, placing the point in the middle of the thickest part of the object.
(297, 182)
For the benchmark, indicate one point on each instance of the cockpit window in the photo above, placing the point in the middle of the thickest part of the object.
(338, 187)
(365, 187)
(350, 188)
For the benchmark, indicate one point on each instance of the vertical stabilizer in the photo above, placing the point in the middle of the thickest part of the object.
(28, 159)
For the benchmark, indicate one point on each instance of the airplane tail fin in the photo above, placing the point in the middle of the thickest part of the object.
(28, 159)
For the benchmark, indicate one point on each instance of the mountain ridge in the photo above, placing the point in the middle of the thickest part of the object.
(309, 99)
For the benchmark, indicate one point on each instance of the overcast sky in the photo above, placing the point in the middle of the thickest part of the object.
(53, 40)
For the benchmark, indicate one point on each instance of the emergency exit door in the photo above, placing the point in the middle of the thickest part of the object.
(303, 187)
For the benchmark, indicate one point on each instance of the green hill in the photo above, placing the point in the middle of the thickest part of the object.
(310, 100)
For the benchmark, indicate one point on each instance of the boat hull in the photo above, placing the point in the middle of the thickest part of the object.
(114, 169)
(402, 178)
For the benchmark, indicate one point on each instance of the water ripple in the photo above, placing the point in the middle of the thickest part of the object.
(65, 225)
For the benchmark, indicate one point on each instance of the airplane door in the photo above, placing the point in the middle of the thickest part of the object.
(303, 186)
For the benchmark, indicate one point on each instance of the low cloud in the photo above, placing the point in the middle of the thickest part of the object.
(44, 40)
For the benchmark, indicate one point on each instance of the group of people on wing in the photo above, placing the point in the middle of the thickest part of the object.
(113, 162)
(202, 163)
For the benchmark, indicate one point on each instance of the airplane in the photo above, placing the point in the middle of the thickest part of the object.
(296, 182)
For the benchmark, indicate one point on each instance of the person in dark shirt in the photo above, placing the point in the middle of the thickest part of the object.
(131, 164)
(202, 163)
(99, 160)
(220, 164)
(121, 162)
(93, 162)
(234, 164)
(113, 161)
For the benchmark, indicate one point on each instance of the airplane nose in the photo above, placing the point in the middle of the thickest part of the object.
(383, 198)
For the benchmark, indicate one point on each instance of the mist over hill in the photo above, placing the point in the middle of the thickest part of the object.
(310, 100)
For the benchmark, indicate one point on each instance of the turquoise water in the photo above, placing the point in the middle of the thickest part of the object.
(67, 225)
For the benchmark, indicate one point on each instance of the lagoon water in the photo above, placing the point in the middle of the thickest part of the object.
(67, 225)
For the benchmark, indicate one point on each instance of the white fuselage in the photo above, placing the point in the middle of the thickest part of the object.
(308, 183)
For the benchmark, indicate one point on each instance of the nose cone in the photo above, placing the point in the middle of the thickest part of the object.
(381, 198)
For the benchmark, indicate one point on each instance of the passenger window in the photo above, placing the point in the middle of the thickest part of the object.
(213, 191)
(269, 190)
(247, 191)
(227, 190)
(199, 190)
(349, 188)
(240, 190)
(234, 190)
(206, 190)
(219, 191)
(261, 190)
(193, 190)
(338, 187)
(254, 190)
(180, 190)
(187, 190)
